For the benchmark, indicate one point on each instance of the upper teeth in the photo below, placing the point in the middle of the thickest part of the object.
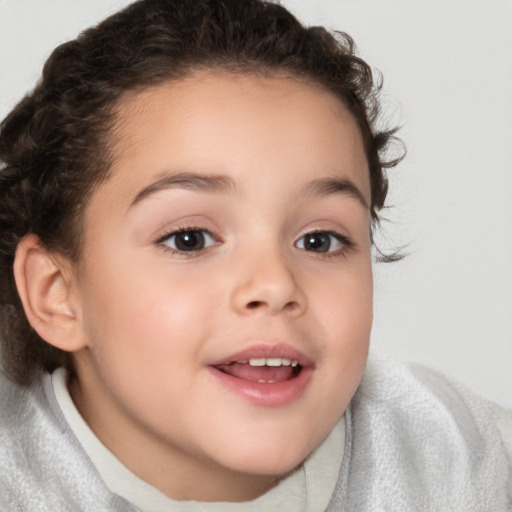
(273, 361)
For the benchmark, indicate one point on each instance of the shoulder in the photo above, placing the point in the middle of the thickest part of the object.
(42, 465)
(19, 408)
(426, 439)
(17, 403)
(413, 388)
(503, 419)
(432, 402)
(412, 391)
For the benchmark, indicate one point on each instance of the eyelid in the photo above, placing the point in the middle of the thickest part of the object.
(186, 223)
(177, 231)
(183, 229)
(345, 242)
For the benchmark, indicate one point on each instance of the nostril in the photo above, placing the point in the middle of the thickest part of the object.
(292, 306)
(255, 304)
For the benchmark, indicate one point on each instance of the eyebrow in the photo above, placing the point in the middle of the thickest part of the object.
(187, 180)
(223, 184)
(332, 186)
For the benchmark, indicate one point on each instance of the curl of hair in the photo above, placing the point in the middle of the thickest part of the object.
(54, 145)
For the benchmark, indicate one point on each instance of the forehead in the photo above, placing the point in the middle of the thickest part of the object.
(242, 125)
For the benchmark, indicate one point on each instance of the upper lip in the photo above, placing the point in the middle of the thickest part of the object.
(267, 351)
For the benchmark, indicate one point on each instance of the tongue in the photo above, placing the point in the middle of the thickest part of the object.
(258, 373)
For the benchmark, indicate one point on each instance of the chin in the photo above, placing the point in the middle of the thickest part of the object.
(266, 459)
(277, 468)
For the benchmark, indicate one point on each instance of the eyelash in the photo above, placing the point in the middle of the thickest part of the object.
(186, 229)
(346, 244)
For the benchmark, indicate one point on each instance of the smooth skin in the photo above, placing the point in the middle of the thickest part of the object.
(268, 178)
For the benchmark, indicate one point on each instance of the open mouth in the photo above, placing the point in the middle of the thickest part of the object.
(265, 375)
(270, 370)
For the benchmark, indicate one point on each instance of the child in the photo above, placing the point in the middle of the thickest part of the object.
(187, 202)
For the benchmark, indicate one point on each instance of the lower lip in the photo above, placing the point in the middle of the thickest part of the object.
(277, 394)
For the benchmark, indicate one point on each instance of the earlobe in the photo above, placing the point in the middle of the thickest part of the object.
(44, 283)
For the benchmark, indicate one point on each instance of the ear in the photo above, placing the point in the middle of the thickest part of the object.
(47, 287)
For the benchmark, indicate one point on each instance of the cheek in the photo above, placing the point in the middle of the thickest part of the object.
(157, 315)
(345, 310)
(345, 300)
(347, 327)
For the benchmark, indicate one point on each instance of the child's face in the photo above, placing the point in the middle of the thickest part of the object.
(268, 180)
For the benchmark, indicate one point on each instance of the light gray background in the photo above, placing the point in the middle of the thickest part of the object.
(447, 66)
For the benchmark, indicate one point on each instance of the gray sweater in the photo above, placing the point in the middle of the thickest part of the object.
(414, 442)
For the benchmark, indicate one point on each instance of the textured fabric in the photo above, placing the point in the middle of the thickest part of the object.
(42, 466)
(414, 442)
(308, 489)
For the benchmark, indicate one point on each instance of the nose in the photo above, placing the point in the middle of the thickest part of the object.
(265, 283)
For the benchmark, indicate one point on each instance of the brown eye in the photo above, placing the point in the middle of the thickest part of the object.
(189, 240)
(319, 242)
(322, 242)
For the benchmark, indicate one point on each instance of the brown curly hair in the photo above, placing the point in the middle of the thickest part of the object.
(54, 147)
